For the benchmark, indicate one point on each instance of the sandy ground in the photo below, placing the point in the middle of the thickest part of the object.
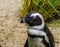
(12, 32)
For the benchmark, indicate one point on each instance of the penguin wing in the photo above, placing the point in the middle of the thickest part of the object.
(50, 36)
(26, 43)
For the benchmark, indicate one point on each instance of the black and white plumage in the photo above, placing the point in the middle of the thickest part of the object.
(38, 33)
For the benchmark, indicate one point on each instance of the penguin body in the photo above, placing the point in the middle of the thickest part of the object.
(38, 33)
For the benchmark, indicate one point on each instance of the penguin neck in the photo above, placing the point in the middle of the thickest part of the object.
(39, 27)
(36, 27)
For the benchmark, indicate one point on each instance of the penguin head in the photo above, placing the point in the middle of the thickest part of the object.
(33, 19)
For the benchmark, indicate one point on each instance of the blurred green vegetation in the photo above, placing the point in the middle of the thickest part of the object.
(48, 8)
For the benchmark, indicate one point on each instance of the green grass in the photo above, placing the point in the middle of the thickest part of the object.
(48, 8)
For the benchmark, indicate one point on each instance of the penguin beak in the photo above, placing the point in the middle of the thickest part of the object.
(23, 20)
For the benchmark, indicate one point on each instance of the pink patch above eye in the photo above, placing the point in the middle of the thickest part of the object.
(33, 17)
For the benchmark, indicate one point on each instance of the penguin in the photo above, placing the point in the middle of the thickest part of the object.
(38, 33)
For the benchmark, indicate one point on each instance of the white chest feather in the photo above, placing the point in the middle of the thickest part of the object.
(37, 42)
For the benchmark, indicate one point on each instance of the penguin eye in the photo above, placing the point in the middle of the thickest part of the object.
(31, 18)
